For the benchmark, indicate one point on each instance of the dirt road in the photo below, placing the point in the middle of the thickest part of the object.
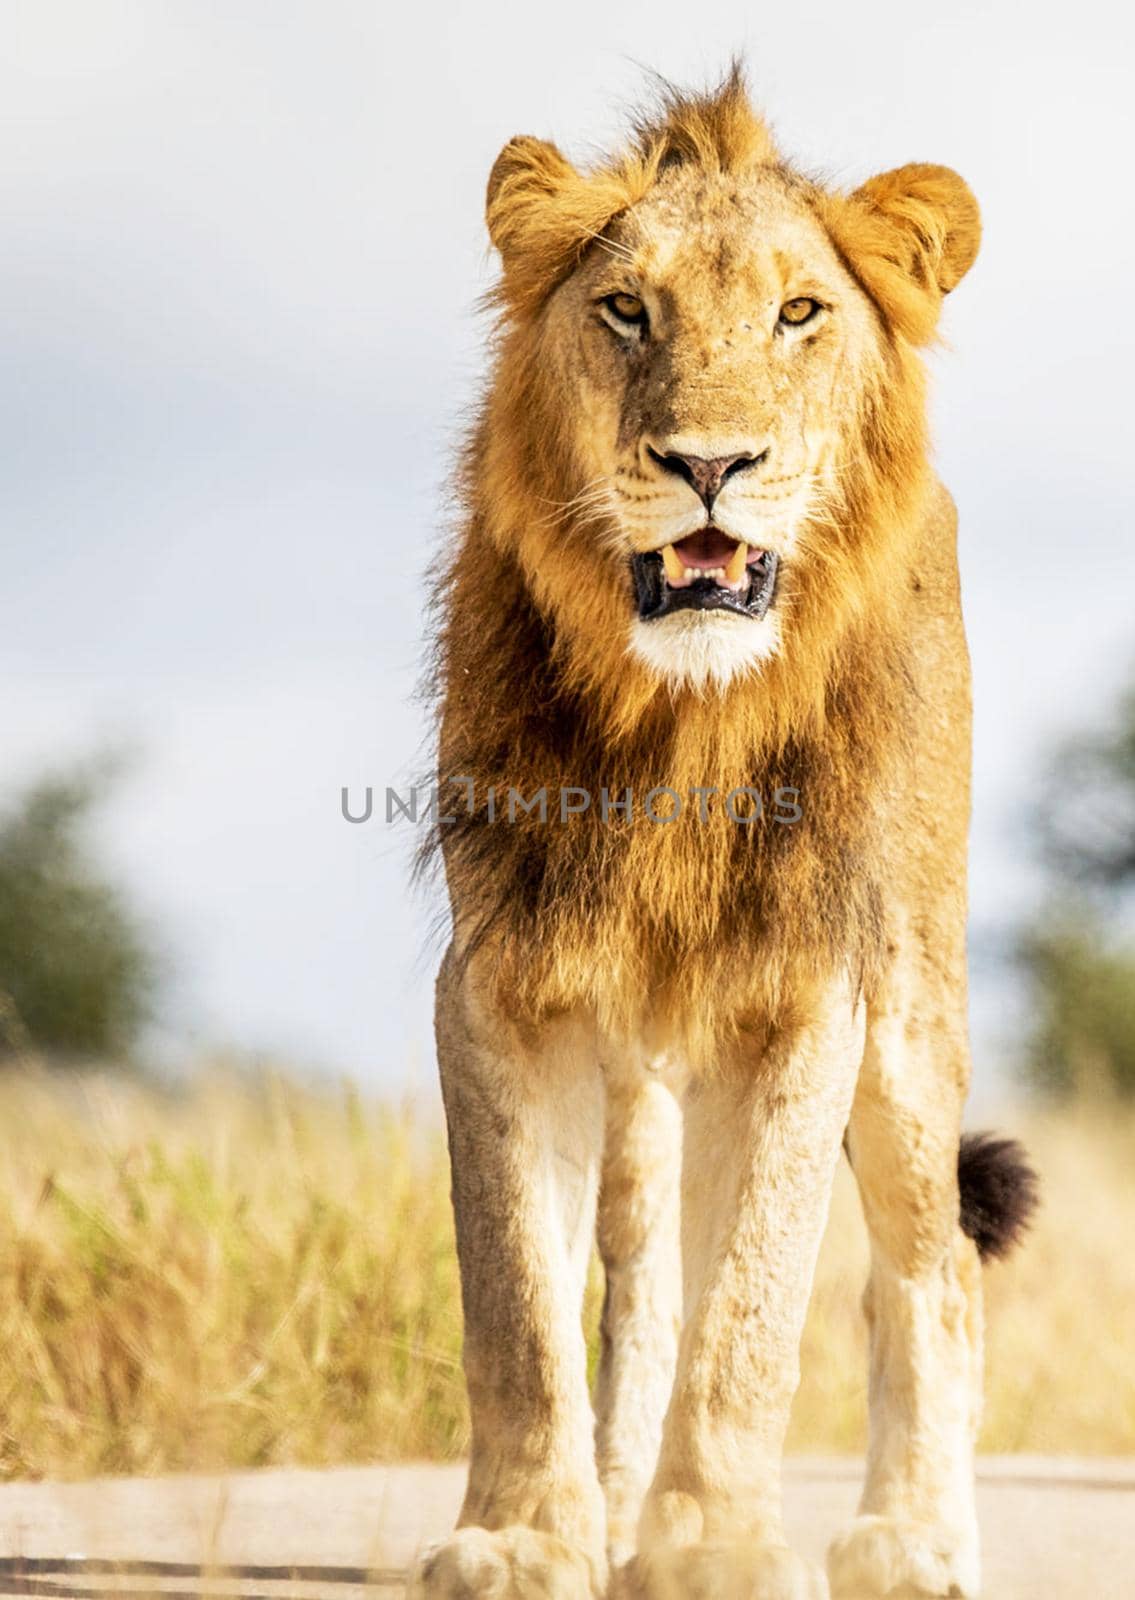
(1054, 1529)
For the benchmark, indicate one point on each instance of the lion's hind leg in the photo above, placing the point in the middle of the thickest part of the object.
(927, 1195)
(640, 1245)
(916, 1532)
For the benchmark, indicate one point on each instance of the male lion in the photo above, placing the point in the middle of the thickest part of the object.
(705, 699)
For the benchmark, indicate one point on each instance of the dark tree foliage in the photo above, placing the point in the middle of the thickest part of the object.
(76, 973)
(1087, 817)
(1082, 982)
(1079, 956)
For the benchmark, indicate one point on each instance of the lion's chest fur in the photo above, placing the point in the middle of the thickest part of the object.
(710, 923)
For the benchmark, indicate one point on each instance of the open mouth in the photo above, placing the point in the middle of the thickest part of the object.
(705, 571)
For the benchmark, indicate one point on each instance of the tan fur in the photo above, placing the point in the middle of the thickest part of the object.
(777, 981)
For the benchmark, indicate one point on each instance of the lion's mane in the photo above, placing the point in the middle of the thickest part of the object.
(708, 927)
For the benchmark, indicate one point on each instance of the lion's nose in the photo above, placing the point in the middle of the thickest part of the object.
(705, 474)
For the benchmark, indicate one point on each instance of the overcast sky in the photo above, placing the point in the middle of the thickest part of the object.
(241, 245)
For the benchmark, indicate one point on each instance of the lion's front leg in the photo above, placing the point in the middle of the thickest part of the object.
(525, 1127)
(762, 1141)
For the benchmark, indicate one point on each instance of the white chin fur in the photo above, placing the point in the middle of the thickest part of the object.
(705, 649)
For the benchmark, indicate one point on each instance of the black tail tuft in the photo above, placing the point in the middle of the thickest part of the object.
(999, 1192)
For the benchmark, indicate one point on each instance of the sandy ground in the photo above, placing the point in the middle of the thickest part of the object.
(1054, 1529)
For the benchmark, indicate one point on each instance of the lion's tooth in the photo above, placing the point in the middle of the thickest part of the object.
(672, 562)
(735, 568)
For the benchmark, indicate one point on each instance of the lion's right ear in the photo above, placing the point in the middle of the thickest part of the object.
(541, 215)
(526, 176)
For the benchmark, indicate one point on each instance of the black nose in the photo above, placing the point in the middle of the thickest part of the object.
(705, 475)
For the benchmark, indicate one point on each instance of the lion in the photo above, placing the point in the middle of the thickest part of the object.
(704, 699)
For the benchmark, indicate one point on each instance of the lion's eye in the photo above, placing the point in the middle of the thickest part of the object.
(796, 312)
(625, 312)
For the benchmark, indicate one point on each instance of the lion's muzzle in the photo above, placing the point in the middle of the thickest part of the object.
(706, 571)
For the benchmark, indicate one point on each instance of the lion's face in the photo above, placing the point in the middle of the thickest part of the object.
(710, 373)
(713, 354)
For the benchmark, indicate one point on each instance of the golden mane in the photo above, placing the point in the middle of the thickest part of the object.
(706, 927)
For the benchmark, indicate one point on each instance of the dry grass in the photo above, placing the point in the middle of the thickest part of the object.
(255, 1274)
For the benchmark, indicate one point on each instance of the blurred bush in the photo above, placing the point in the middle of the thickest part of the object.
(77, 977)
(1079, 956)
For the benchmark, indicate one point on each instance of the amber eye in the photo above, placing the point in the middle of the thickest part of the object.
(625, 312)
(796, 312)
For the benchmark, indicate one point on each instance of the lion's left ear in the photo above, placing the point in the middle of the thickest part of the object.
(911, 235)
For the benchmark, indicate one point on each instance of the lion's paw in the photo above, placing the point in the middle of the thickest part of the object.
(904, 1560)
(509, 1564)
(722, 1572)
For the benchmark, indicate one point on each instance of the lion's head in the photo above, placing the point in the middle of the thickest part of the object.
(707, 417)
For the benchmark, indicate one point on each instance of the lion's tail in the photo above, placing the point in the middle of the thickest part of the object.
(999, 1192)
